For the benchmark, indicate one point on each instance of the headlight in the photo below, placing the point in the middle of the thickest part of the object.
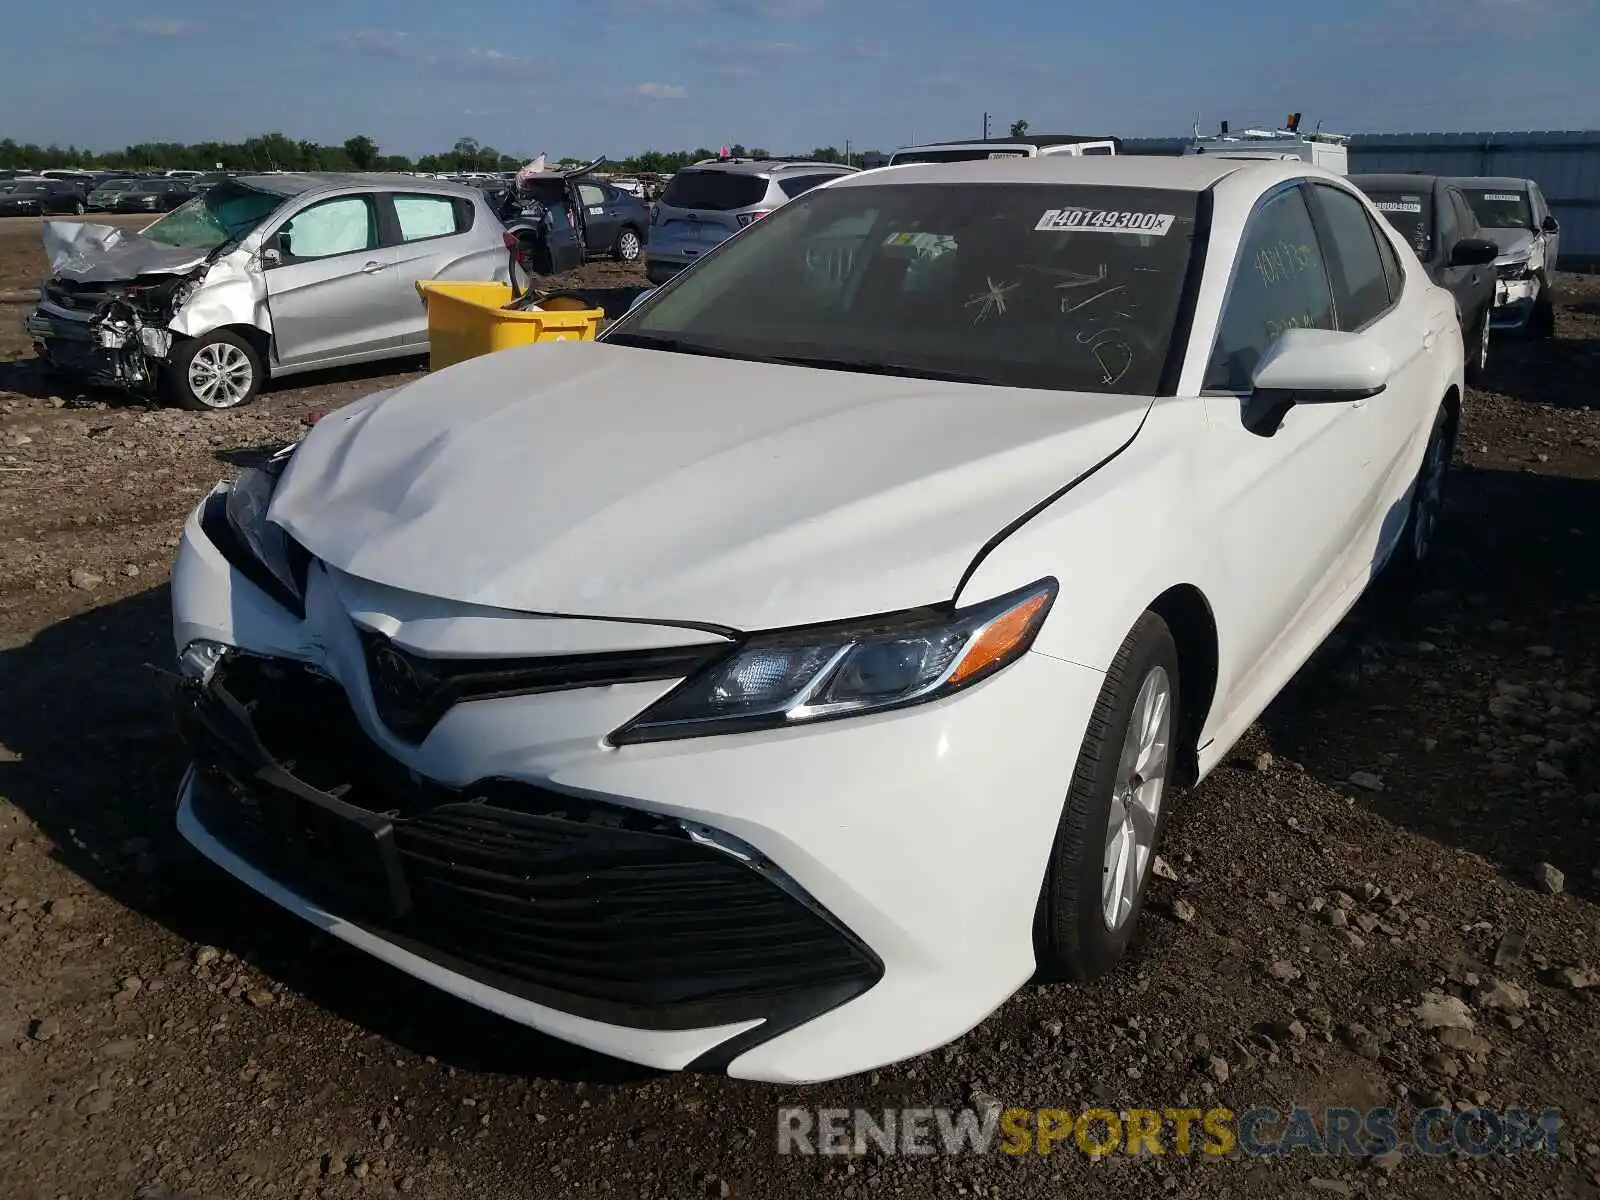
(1518, 269)
(798, 676)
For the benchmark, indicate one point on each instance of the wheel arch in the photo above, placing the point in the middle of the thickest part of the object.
(1188, 616)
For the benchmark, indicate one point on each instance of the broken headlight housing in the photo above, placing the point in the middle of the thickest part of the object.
(1515, 270)
(258, 549)
(800, 676)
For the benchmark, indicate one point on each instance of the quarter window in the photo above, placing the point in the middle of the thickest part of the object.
(1361, 291)
(592, 196)
(421, 217)
(340, 226)
(1280, 282)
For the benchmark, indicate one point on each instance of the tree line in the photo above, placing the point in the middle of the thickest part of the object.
(277, 151)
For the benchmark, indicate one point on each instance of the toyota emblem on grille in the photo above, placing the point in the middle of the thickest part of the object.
(396, 678)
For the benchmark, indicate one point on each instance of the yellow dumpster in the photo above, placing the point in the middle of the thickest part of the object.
(468, 319)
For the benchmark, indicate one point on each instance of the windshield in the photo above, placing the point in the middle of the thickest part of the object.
(1021, 285)
(971, 154)
(715, 191)
(28, 189)
(118, 185)
(1498, 209)
(1411, 213)
(224, 213)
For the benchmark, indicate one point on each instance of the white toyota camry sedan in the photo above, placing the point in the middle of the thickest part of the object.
(777, 684)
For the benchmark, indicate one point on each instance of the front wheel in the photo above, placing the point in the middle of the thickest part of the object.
(215, 372)
(1427, 499)
(629, 246)
(1542, 320)
(1478, 349)
(1116, 809)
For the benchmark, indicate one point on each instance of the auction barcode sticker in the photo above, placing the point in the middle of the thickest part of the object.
(1096, 220)
(1401, 206)
(1507, 197)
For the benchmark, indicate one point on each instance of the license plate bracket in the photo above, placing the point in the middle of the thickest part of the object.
(345, 851)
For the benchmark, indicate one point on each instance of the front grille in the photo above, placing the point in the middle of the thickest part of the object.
(412, 692)
(600, 910)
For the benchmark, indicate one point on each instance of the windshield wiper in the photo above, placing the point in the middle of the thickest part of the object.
(866, 366)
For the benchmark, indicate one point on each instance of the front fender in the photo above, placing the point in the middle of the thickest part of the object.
(1116, 540)
(233, 291)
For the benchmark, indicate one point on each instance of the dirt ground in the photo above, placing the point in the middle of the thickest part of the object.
(164, 1032)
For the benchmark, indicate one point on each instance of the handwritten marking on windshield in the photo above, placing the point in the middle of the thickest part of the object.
(992, 300)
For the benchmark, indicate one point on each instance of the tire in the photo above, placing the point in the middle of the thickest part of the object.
(220, 353)
(1420, 535)
(1478, 348)
(1542, 320)
(629, 247)
(79, 208)
(1075, 939)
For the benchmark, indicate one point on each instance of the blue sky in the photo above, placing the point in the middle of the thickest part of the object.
(618, 76)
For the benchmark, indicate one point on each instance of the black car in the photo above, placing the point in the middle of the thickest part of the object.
(105, 195)
(1432, 214)
(153, 195)
(41, 197)
(588, 217)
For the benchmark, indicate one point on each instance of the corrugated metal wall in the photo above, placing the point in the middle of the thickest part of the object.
(1566, 165)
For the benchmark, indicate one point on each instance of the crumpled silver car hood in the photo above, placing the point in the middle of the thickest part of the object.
(84, 252)
(1513, 243)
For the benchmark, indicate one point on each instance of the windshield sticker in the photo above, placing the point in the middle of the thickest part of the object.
(920, 241)
(1096, 220)
(1407, 205)
(992, 300)
(1506, 197)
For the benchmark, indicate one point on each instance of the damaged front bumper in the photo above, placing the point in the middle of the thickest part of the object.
(1516, 290)
(112, 336)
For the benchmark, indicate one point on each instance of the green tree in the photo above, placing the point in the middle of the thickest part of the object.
(362, 152)
(1019, 129)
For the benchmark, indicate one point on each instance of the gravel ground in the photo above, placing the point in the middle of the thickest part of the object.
(1424, 798)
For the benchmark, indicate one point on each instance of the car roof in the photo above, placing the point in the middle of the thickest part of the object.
(765, 166)
(1029, 139)
(299, 183)
(1498, 182)
(1401, 180)
(1189, 173)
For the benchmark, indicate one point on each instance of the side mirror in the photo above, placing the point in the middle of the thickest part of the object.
(1474, 252)
(641, 298)
(1314, 366)
(1550, 224)
(271, 258)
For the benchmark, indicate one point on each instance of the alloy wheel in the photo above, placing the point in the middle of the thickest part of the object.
(1136, 801)
(220, 375)
(628, 245)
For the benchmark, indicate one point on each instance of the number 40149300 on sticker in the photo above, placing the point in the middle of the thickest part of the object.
(1095, 220)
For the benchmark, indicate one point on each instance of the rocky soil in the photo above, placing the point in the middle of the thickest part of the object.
(1390, 898)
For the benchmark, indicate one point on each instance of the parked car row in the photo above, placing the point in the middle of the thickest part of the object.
(478, 676)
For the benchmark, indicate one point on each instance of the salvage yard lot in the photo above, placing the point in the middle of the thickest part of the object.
(162, 1028)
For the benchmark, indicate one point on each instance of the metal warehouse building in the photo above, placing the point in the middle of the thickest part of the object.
(1566, 164)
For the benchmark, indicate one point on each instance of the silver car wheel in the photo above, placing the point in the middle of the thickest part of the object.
(628, 246)
(1136, 800)
(220, 375)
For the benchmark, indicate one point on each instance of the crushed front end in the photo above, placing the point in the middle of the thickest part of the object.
(110, 334)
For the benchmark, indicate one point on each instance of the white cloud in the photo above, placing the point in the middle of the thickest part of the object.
(662, 91)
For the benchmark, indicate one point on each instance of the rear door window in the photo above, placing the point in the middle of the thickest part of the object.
(715, 191)
(421, 217)
(795, 185)
(1360, 286)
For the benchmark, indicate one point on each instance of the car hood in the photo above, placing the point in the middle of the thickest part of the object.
(608, 481)
(1513, 243)
(85, 252)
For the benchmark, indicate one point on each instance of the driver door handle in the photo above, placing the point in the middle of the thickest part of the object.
(1429, 338)
(372, 268)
